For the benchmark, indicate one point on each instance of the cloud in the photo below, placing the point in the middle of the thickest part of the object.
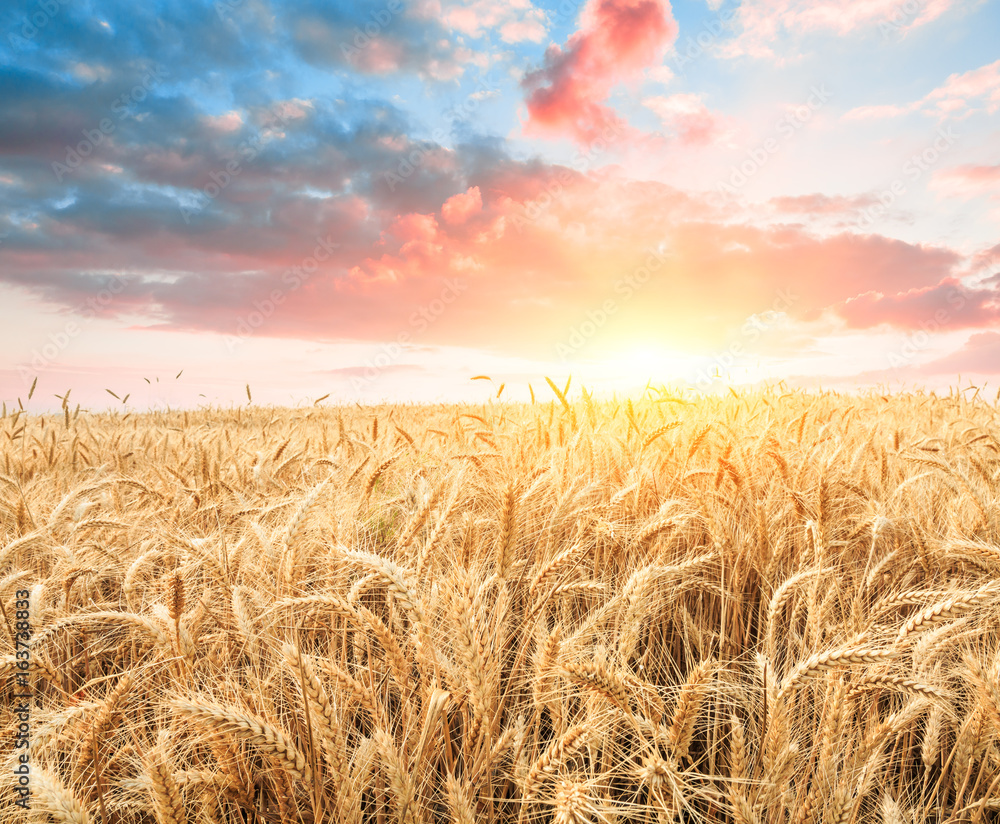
(616, 40)
(945, 305)
(687, 117)
(660, 74)
(821, 205)
(458, 208)
(536, 244)
(880, 111)
(980, 355)
(962, 92)
(90, 73)
(231, 121)
(968, 181)
(375, 38)
(961, 95)
(414, 227)
(516, 21)
(535, 247)
(763, 23)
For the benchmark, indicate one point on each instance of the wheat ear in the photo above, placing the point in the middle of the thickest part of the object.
(689, 701)
(549, 762)
(943, 610)
(57, 800)
(822, 661)
(166, 796)
(222, 719)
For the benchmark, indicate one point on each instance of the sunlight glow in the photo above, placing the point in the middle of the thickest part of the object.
(637, 366)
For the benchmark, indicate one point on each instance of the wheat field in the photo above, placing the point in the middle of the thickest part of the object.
(768, 607)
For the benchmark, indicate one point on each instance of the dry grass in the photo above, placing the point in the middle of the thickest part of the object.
(758, 609)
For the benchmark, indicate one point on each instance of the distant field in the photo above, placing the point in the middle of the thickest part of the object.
(760, 608)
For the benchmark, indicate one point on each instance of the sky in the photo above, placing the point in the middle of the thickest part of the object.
(383, 200)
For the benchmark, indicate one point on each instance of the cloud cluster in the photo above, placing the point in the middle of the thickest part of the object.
(764, 26)
(274, 133)
(961, 95)
(616, 40)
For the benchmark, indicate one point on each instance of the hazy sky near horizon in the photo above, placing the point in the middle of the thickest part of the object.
(381, 199)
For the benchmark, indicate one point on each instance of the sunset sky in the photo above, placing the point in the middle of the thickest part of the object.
(380, 200)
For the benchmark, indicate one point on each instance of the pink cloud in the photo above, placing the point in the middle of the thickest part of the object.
(460, 207)
(968, 181)
(517, 20)
(538, 270)
(876, 112)
(761, 22)
(224, 123)
(687, 116)
(617, 39)
(539, 247)
(415, 227)
(294, 108)
(962, 94)
(986, 261)
(946, 305)
(980, 355)
(820, 204)
(518, 31)
(380, 56)
(965, 89)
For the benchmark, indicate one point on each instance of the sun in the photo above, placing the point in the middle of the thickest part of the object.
(637, 366)
(647, 363)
